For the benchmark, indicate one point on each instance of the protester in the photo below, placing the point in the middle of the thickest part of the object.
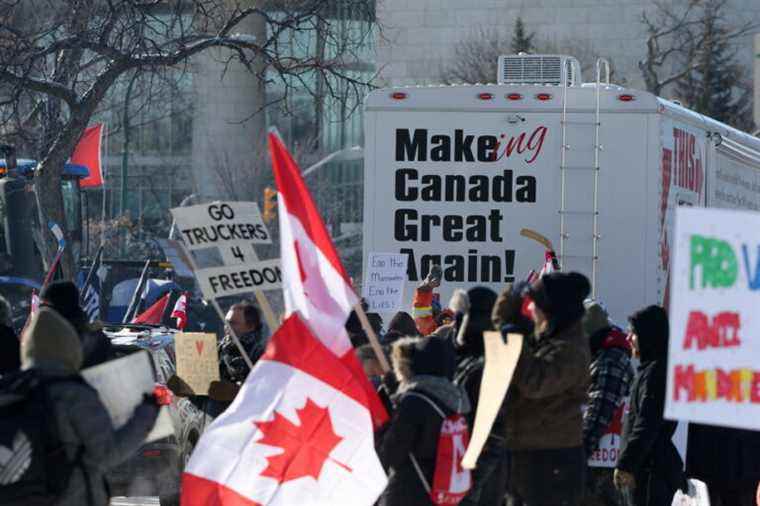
(489, 477)
(63, 296)
(244, 319)
(370, 363)
(611, 377)
(727, 461)
(649, 467)
(543, 405)
(10, 359)
(424, 368)
(401, 325)
(86, 445)
(424, 304)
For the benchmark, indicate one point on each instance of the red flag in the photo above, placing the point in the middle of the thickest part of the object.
(87, 153)
(315, 284)
(298, 432)
(154, 314)
(180, 311)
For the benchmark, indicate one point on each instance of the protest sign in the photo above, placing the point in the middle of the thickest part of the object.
(712, 372)
(384, 281)
(121, 384)
(239, 279)
(233, 227)
(607, 453)
(197, 360)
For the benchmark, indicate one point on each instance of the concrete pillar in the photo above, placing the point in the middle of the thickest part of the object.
(229, 125)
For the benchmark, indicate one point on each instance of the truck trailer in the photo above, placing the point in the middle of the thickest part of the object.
(453, 173)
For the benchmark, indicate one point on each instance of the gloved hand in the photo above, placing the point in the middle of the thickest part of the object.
(433, 279)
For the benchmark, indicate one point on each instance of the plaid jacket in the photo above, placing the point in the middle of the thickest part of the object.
(611, 378)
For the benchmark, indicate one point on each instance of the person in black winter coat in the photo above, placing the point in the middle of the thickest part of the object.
(424, 367)
(63, 296)
(649, 466)
(10, 358)
(727, 461)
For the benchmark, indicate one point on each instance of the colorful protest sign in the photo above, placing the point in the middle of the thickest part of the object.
(384, 281)
(713, 376)
(197, 360)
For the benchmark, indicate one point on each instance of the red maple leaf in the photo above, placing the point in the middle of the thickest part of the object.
(306, 447)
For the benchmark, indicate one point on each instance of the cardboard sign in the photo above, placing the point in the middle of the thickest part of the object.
(239, 279)
(500, 365)
(197, 360)
(384, 281)
(121, 384)
(233, 227)
(713, 376)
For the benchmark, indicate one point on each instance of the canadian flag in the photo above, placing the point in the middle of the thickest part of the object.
(315, 284)
(299, 432)
(180, 311)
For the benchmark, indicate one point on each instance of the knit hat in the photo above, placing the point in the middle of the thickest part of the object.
(652, 330)
(560, 296)
(459, 302)
(49, 338)
(431, 355)
(596, 318)
(63, 296)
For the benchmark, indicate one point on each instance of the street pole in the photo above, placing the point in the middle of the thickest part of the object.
(125, 149)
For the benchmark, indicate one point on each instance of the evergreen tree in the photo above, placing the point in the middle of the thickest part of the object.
(522, 42)
(717, 87)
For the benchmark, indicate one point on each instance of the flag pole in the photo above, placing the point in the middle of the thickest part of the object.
(133, 302)
(373, 340)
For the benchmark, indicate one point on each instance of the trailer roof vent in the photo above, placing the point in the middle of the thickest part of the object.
(539, 69)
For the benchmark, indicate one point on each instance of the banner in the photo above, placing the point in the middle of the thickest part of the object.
(384, 282)
(713, 376)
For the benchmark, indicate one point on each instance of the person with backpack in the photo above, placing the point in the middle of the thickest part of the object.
(547, 462)
(56, 437)
(611, 378)
(466, 332)
(428, 433)
(649, 467)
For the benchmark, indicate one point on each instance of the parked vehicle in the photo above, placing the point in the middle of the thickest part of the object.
(453, 173)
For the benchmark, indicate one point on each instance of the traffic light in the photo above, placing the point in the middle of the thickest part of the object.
(270, 204)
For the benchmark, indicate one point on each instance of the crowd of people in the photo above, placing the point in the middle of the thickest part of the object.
(573, 380)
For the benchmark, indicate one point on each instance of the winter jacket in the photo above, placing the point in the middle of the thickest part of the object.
(415, 428)
(611, 378)
(543, 403)
(232, 365)
(96, 346)
(82, 423)
(10, 359)
(422, 310)
(76, 416)
(647, 450)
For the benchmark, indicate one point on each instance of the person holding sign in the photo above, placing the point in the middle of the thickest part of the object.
(244, 319)
(649, 467)
(543, 404)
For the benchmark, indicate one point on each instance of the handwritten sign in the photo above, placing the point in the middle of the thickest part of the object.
(384, 281)
(713, 376)
(197, 360)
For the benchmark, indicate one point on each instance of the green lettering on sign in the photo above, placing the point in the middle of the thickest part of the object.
(715, 260)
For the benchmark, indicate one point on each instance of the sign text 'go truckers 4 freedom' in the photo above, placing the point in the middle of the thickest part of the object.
(234, 228)
(713, 376)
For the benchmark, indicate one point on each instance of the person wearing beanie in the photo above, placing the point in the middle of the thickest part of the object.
(649, 467)
(424, 367)
(611, 378)
(63, 296)
(544, 423)
(51, 351)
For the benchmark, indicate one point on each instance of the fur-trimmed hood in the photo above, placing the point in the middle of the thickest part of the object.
(431, 355)
(453, 397)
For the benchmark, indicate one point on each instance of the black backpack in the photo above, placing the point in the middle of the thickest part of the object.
(34, 469)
